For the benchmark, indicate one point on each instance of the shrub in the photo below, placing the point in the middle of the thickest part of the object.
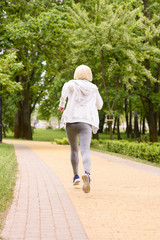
(63, 141)
(146, 151)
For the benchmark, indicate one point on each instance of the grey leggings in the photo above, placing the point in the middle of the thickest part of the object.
(83, 132)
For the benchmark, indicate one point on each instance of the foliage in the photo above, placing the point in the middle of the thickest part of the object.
(117, 43)
(63, 141)
(121, 33)
(9, 68)
(115, 38)
(8, 112)
(41, 37)
(146, 151)
(39, 40)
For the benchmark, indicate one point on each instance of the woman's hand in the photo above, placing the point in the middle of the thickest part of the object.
(61, 109)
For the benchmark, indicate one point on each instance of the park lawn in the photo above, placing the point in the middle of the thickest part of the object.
(48, 135)
(8, 171)
(41, 134)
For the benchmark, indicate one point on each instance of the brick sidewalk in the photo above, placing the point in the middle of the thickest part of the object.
(41, 209)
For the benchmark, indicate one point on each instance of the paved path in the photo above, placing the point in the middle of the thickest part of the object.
(41, 208)
(124, 202)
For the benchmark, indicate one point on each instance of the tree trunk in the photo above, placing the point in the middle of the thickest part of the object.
(152, 123)
(151, 115)
(130, 124)
(140, 125)
(126, 115)
(118, 131)
(4, 131)
(101, 122)
(136, 127)
(144, 127)
(110, 130)
(114, 126)
(22, 128)
(159, 125)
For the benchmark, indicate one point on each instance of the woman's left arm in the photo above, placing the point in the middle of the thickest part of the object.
(99, 101)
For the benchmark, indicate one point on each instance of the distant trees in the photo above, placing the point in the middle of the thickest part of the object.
(119, 40)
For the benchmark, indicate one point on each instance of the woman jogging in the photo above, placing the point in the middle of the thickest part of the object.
(80, 118)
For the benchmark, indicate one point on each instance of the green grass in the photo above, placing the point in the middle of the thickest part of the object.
(48, 135)
(8, 170)
(106, 136)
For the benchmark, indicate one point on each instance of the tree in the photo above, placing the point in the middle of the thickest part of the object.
(151, 92)
(102, 37)
(114, 43)
(40, 38)
(118, 39)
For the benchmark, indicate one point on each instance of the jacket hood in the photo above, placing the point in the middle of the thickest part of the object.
(85, 86)
(84, 91)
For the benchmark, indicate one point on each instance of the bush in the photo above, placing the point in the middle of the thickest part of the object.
(63, 141)
(146, 151)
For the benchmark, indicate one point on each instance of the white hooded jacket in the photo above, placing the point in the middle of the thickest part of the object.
(83, 102)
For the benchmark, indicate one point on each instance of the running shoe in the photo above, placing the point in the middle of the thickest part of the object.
(86, 182)
(76, 180)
